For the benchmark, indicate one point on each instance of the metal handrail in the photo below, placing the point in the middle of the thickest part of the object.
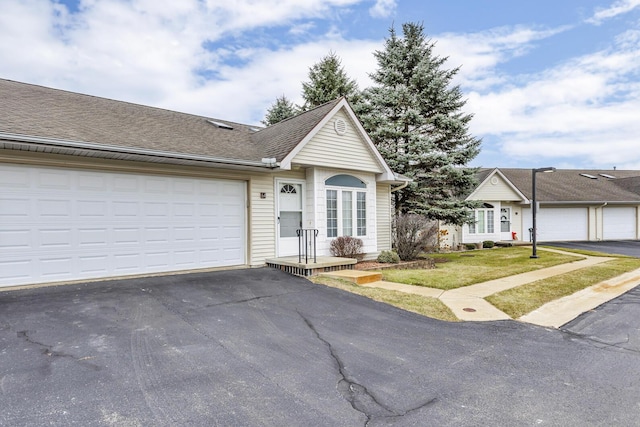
(307, 243)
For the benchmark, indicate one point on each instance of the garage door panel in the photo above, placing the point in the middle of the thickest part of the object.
(93, 264)
(557, 224)
(137, 224)
(619, 222)
(93, 237)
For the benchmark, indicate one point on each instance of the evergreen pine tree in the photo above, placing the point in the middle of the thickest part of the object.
(279, 110)
(327, 81)
(413, 115)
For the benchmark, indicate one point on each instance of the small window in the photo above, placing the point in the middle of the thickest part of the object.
(288, 189)
(345, 181)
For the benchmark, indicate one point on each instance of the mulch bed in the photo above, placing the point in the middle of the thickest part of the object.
(402, 265)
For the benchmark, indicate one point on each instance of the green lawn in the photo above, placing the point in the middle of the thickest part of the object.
(430, 307)
(524, 299)
(470, 267)
(467, 268)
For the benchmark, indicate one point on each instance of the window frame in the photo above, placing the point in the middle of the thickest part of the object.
(336, 208)
(484, 217)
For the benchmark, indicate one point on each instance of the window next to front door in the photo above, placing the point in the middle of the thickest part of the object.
(484, 223)
(346, 206)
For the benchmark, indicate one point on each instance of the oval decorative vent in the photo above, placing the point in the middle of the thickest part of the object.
(340, 126)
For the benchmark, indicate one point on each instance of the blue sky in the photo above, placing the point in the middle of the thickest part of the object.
(550, 83)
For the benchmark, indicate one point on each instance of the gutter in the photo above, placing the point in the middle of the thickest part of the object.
(62, 143)
(401, 186)
(590, 203)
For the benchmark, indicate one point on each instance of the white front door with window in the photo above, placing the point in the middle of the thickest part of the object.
(290, 214)
(505, 224)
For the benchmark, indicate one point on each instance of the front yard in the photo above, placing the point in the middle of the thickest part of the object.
(458, 269)
(454, 270)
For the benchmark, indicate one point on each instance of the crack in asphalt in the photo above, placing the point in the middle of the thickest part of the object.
(47, 350)
(256, 298)
(359, 397)
(591, 340)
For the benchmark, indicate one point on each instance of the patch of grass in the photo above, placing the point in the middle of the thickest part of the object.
(586, 252)
(517, 302)
(471, 267)
(430, 307)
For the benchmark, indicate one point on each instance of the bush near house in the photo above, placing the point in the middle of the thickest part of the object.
(413, 234)
(347, 247)
(388, 257)
(488, 244)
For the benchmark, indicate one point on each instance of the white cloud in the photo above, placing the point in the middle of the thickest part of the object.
(584, 110)
(479, 54)
(270, 74)
(152, 52)
(620, 7)
(383, 8)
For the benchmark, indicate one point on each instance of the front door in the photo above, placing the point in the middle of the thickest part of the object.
(505, 224)
(289, 217)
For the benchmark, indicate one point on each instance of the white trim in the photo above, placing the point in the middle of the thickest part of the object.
(276, 191)
(386, 176)
(106, 148)
(495, 172)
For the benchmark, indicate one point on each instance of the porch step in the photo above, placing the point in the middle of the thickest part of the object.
(355, 276)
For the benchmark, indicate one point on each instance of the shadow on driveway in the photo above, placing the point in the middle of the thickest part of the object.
(260, 347)
(615, 247)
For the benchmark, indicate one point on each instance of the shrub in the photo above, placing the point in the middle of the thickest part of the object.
(470, 246)
(347, 247)
(488, 244)
(388, 257)
(412, 234)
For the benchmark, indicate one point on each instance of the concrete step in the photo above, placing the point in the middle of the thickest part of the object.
(355, 276)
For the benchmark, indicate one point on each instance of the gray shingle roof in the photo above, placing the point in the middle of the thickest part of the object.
(279, 139)
(567, 185)
(39, 111)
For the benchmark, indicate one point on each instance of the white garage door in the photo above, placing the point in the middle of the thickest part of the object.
(66, 224)
(556, 224)
(619, 222)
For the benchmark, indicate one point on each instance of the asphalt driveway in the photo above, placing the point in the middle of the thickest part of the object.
(262, 348)
(616, 247)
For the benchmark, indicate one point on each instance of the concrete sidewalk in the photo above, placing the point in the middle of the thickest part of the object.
(468, 303)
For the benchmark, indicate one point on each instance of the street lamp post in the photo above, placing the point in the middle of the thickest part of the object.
(534, 207)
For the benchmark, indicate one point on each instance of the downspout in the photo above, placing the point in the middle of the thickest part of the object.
(400, 187)
(596, 213)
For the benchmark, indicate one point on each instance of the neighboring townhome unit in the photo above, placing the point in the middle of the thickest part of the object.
(573, 204)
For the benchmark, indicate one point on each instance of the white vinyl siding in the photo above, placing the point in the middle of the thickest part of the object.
(495, 188)
(383, 217)
(354, 153)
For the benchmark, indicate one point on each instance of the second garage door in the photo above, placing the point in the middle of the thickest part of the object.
(619, 222)
(555, 224)
(69, 224)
